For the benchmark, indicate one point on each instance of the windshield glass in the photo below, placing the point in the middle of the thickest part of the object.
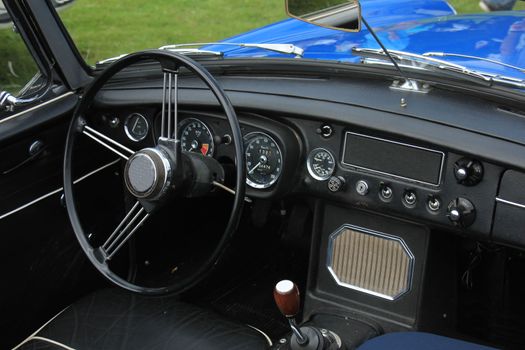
(458, 31)
(17, 66)
(108, 28)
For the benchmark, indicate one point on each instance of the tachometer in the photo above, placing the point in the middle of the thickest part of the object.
(195, 136)
(263, 160)
(320, 164)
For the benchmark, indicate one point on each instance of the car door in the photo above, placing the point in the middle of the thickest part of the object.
(41, 265)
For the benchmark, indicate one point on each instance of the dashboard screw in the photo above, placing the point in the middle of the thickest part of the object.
(404, 102)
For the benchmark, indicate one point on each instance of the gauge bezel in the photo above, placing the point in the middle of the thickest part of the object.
(129, 134)
(184, 123)
(312, 172)
(247, 139)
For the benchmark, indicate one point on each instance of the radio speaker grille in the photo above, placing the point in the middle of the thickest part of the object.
(370, 262)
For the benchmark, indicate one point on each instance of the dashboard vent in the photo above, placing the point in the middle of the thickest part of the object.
(371, 262)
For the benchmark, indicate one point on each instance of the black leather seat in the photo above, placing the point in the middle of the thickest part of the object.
(116, 320)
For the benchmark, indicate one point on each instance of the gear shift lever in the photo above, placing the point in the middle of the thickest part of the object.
(287, 298)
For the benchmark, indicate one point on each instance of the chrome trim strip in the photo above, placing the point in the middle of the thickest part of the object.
(39, 329)
(363, 230)
(394, 175)
(262, 333)
(53, 100)
(514, 204)
(51, 341)
(3, 216)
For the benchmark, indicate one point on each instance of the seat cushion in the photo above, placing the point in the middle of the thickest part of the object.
(113, 319)
(418, 341)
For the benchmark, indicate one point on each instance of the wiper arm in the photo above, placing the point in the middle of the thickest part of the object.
(447, 54)
(416, 61)
(288, 49)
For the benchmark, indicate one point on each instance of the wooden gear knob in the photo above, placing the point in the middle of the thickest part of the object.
(287, 298)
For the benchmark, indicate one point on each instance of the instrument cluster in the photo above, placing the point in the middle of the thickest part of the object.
(264, 158)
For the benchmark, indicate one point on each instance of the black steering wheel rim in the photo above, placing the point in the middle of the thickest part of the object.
(174, 60)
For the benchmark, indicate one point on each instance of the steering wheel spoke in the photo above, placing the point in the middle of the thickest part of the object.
(107, 142)
(168, 128)
(133, 220)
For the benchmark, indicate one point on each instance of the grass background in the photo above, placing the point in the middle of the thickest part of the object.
(106, 28)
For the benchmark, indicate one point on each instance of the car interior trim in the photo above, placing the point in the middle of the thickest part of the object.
(365, 231)
(514, 204)
(37, 107)
(3, 216)
(262, 333)
(32, 336)
(51, 341)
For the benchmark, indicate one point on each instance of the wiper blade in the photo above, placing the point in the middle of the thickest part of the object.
(447, 54)
(416, 61)
(288, 49)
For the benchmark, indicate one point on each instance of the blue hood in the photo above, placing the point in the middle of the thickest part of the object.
(413, 26)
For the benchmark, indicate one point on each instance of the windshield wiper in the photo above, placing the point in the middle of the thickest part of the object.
(422, 62)
(288, 49)
(448, 54)
(192, 49)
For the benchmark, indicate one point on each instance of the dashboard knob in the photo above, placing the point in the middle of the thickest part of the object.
(468, 172)
(461, 212)
(336, 183)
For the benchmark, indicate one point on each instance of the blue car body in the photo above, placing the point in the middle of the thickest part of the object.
(416, 26)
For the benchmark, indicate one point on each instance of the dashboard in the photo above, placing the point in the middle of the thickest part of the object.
(321, 138)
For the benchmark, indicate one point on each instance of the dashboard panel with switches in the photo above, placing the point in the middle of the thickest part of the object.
(368, 169)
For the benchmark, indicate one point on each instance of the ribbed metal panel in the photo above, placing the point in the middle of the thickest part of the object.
(371, 262)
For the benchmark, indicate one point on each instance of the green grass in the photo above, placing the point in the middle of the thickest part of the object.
(106, 28)
(472, 6)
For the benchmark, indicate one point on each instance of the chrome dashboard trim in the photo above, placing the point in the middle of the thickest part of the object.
(3, 216)
(34, 108)
(394, 175)
(514, 204)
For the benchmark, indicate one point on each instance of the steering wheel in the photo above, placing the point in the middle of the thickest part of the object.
(158, 174)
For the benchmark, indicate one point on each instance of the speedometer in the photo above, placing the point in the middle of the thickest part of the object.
(263, 160)
(195, 136)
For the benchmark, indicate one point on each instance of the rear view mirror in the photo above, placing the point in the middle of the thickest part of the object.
(337, 14)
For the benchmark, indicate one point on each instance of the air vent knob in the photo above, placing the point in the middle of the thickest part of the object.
(468, 172)
(461, 212)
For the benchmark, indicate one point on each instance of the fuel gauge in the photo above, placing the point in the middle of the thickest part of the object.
(321, 164)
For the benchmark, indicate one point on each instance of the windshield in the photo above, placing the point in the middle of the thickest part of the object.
(458, 31)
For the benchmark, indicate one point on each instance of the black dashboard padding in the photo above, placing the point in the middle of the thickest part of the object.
(393, 158)
(509, 221)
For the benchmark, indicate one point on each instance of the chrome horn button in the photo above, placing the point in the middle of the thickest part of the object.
(147, 173)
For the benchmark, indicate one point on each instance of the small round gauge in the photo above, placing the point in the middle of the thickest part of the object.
(195, 136)
(320, 164)
(264, 160)
(136, 127)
